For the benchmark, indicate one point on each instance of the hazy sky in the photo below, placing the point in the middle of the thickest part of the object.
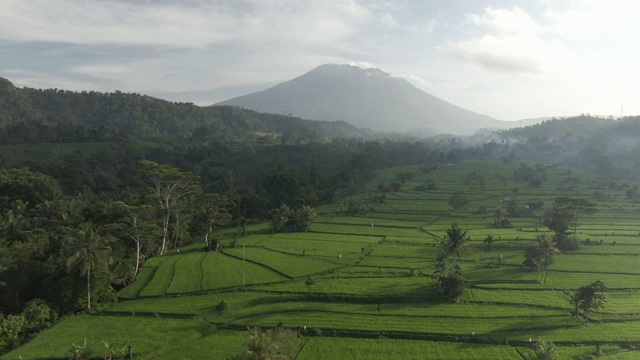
(507, 59)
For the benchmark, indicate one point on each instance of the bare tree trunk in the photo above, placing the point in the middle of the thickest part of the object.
(138, 249)
(89, 288)
(453, 265)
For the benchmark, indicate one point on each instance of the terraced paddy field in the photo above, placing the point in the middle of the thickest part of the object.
(361, 286)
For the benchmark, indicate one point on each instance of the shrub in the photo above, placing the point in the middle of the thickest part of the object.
(450, 288)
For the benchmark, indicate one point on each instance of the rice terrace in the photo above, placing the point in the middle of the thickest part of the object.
(360, 283)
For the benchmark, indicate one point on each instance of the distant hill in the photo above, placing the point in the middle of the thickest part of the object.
(53, 115)
(366, 98)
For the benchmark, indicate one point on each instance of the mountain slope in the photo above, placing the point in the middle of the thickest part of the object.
(363, 98)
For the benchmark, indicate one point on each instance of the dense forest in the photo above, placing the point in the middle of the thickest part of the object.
(92, 184)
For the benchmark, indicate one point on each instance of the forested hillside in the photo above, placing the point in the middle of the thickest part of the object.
(52, 115)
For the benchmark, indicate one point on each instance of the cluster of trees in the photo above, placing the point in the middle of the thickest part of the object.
(587, 298)
(62, 253)
(450, 284)
(287, 219)
(563, 215)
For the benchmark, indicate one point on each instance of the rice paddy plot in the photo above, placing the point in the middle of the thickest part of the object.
(318, 348)
(346, 248)
(527, 298)
(220, 271)
(502, 276)
(598, 263)
(469, 310)
(184, 306)
(613, 332)
(573, 280)
(367, 221)
(219, 344)
(409, 324)
(132, 291)
(368, 271)
(162, 277)
(291, 265)
(406, 250)
(144, 334)
(594, 248)
(361, 230)
(622, 302)
(187, 274)
(329, 238)
(360, 287)
(398, 262)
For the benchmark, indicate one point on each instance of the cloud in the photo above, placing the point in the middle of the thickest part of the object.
(363, 64)
(180, 24)
(414, 79)
(511, 41)
(508, 53)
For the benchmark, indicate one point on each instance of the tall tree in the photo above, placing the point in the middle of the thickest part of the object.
(137, 223)
(168, 186)
(565, 212)
(304, 216)
(91, 250)
(454, 243)
(214, 211)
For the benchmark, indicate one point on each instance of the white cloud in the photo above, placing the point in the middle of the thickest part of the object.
(511, 41)
(363, 64)
(196, 24)
(513, 21)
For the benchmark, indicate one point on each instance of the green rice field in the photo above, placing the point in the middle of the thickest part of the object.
(361, 286)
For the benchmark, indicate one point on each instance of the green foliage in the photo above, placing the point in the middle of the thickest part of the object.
(38, 315)
(458, 200)
(11, 328)
(542, 251)
(449, 288)
(587, 298)
(222, 307)
(274, 344)
(29, 187)
(545, 350)
(90, 250)
(115, 352)
(287, 219)
(454, 243)
(84, 350)
(565, 212)
(168, 188)
(488, 240)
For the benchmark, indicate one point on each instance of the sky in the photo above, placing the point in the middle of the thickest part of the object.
(510, 60)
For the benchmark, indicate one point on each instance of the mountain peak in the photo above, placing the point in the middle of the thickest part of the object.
(367, 98)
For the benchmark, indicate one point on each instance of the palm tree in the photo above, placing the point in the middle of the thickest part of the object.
(91, 250)
(454, 244)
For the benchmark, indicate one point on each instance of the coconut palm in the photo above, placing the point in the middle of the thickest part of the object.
(91, 250)
(454, 244)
